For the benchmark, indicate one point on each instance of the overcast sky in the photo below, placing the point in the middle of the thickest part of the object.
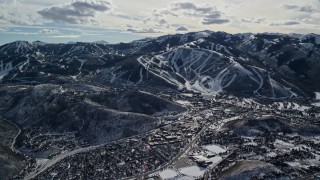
(126, 20)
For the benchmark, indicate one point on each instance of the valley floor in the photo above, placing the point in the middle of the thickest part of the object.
(217, 137)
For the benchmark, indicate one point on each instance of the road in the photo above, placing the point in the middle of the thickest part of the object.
(60, 157)
(49, 163)
(15, 138)
(175, 158)
(186, 149)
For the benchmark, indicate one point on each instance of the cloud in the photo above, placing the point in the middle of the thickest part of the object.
(208, 13)
(214, 19)
(13, 12)
(129, 26)
(142, 30)
(3, 30)
(49, 31)
(23, 33)
(163, 23)
(300, 8)
(70, 36)
(163, 12)
(129, 17)
(77, 12)
(314, 19)
(285, 23)
(182, 28)
(253, 20)
(188, 6)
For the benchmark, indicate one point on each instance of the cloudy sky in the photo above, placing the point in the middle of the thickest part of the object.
(127, 20)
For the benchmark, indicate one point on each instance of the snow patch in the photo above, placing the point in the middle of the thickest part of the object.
(282, 143)
(215, 160)
(193, 171)
(168, 174)
(316, 104)
(183, 102)
(271, 154)
(25, 64)
(5, 69)
(215, 149)
(203, 34)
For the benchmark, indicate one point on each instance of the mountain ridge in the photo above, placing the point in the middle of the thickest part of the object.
(286, 58)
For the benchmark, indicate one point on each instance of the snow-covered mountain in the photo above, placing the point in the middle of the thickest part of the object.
(268, 64)
(210, 72)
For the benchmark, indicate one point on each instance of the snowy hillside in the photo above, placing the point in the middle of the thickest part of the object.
(210, 72)
(267, 65)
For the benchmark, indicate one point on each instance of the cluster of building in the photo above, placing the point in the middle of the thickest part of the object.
(204, 124)
(292, 154)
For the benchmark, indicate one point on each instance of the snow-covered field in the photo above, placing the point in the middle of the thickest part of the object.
(168, 174)
(317, 95)
(214, 149)
(193, 171)
(215, 160)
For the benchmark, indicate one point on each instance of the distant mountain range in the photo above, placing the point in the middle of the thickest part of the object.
(268, 65)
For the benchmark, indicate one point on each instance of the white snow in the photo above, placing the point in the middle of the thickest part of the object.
(303, 108)
(203, 34)
(282, 143)
(215, 160)
(168, 174)
(186, 94)
(293, 164)
(82, 61)
(193, 171)
(27, 63)
(141, 75)
(184, 178)
(196, 70)
(5, 69)
(271, 154)
(40, 162)
(281, 106)
(53, 174)
(316, 104)
(222, 122)
(201, 40)
(250, 144)
(22, 46)
(183, 102)
(214, 148)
